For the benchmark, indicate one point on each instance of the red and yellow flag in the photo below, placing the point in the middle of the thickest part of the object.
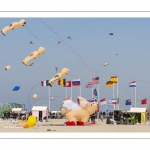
(109, 83)
(62, 82)
(114, 79)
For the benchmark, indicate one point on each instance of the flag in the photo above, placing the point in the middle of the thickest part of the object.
(62, 82)
(128, 102)
(89, 85)
(144, 101)
(109, 83)
(95, 93)
(68, 84)
(132, 84)
(92, 100)
(103, 101)
(44, 83)
(95, 80)
(115, 101)
(76, 82)
(114, 79)
(52, 98)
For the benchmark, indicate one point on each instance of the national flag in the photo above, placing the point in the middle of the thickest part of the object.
(103, 101)
(62, 82)
(115, 101)
(76, 82)
(95, 80)
(109, 83)
(68, 84)
(128, 102)
(132, 84)
(95, 93)
(89, 85)
(144, 101)
(114, 79)
(52, 98)
(92, 100)
(44, 83)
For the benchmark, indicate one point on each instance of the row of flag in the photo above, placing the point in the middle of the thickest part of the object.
(63, 82)
(116, 101)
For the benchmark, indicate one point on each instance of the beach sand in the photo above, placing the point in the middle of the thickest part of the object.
(7, 126)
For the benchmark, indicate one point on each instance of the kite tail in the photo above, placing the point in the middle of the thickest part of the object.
(32, 32)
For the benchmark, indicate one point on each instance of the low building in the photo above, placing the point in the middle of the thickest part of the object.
(140, 112)
(40, 112)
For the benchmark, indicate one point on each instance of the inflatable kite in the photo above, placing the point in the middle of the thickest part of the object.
(111, 33)
(33, 55)
(35, 96)
(69, 37)
(30, 122)
(13, 26)
(75, 114)
(7, 68)
(105, 64)
(58, 76)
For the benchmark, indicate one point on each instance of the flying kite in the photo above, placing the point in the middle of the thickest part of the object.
(35, 96)
(111, 33)
(105, 64)
(33, 55)
(7, 68)
(58, 76)
(69, 37)
(16, 88)
(31, 42)
(13, 26)
(59, 42)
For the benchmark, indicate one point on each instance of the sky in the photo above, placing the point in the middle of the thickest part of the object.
(91, 46)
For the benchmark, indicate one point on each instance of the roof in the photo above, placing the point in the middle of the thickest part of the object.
(39, 108)
(16, 109)
(136, 110)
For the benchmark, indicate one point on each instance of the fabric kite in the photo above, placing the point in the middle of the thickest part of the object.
(13, 26)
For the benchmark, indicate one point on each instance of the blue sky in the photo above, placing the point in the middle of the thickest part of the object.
(94, 45)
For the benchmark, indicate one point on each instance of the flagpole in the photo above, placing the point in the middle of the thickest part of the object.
(80, 87)
(135, 96)
(71, 90)
(117, 96)
(66, 92)
(92, 92)
(49, 98)
(98, 92)
(106, 103)
(113, 95)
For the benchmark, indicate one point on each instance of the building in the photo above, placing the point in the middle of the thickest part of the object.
(40, 112)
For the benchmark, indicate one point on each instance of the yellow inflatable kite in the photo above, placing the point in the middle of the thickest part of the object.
(59, 76)
(13, 26)
(30, 122)
(35, 96)
(33, 55)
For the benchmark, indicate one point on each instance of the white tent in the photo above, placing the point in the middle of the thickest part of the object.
(16, 110)
(137, 110)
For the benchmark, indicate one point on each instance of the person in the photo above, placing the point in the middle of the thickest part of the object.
(108, 121)
(101, 117)
(93, 117)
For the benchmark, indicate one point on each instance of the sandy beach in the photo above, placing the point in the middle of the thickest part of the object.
(57, 125)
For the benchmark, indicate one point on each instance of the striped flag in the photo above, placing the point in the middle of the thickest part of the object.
(132, 84)
(62, 82)
(114, 79)
(95, 80)
(44, 83)
(89, 85)
(109, 83)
